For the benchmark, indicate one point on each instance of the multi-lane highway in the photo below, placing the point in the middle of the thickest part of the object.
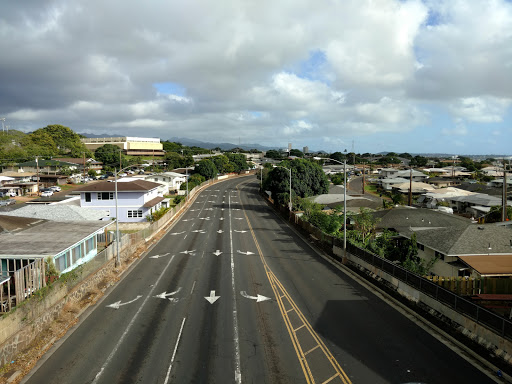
(232, 295)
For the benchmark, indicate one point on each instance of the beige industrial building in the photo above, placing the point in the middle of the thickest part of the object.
(133, 146)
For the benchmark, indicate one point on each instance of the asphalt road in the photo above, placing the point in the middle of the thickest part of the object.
(232, 295)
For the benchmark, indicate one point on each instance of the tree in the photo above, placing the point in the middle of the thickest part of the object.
(207, 169)
(365, 225)
(174, 160)
(221, 163)
(296, 153)
(66, 140)
(308, 179)
(338, 178)
(418, 161)
(494, 215)
(108, 154)
(337, 156)
(239, 161)
(273, 154)
(40, 143)
(170, 146)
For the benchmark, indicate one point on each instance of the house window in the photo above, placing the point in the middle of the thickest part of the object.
(105, 195)
(87, 197)
(155, 179)
(135, 213)
(421, 246)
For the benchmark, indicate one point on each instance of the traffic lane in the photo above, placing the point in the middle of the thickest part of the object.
(371, 340)
(267, 353)
(271, 354)
(207, 353)
(103, 328)
(80, 357)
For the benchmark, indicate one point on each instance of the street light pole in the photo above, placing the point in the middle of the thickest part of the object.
(118, 257)
(344, 261)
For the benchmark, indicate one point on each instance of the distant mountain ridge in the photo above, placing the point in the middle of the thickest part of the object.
(223, 146)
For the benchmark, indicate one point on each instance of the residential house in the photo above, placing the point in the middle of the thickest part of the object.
(135, 199)
(87, 163)
(462, 247)
(19, 182)
(43, 166)
(69, 243)
(170, 181)
(442, 182)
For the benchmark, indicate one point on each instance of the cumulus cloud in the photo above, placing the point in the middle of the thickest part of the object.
(272, 71)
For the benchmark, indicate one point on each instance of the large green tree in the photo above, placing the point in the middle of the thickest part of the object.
(67, 141)
(207, 169)
(239, 161)
(108, 154)
(308, 179)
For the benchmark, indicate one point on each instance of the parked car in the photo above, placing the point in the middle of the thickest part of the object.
(46, 190)
(46, 194)
(7, 202)
(123, 174)
(55, 188)
(103, 177)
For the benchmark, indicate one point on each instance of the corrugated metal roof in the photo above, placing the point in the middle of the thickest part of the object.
(489, 265)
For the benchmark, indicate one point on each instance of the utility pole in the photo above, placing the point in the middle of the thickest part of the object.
(37, 173)
(410, 187)
(120, 163)
(344, 260)
(83, 164)
(363, 179)
(504, 216)
(3, 121)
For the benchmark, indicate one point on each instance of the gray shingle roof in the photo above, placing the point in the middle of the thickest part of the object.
(446, 233)
(58, 212)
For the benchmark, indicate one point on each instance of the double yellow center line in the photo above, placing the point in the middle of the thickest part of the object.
(317, 362)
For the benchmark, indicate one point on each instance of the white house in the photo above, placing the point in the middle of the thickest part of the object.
(135, 199)
(170, 180)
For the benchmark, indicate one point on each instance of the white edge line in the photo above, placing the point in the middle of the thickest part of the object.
(193, 285)
(175, 350)
(238, 373)
(114, 351)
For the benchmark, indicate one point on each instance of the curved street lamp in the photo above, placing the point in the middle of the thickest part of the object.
(344, 201)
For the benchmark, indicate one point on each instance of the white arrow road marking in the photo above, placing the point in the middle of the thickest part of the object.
(199, 231)
(186, 219)
(204, 218)
(211, 201)
(212, 298)
(217, 253)
(188, 252)
(220, 231)
(117, 304)
(164, 295)
(238, 218)
(257, 298)
(208, 209)
(245, 253)
(130, 325)
(216, 190)
(239, 231)
(176, 233)
(213, 195)
(159, 256)
(193, 210)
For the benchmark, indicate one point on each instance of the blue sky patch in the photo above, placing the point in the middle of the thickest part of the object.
(169, 88)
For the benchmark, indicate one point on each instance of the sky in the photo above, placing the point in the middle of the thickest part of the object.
(365, 75)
